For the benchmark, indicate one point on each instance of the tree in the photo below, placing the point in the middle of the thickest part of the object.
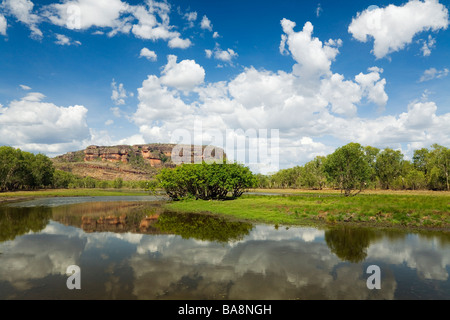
(420, 159)
(439, 167)
(313, 175)
(24, 170)
(206, 181)
(388, 166)
(371, 155)
(348, 167)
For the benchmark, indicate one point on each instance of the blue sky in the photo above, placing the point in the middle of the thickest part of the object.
(324, 73)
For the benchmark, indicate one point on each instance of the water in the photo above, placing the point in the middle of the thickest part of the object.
(135, 250)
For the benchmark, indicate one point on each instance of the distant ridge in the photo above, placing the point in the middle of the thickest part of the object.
(129, 162)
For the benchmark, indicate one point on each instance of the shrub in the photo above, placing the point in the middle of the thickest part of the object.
(206, 181)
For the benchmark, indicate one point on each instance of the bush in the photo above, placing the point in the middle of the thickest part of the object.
(206, 181)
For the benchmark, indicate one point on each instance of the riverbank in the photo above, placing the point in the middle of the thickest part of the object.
(29, 195)
(374, 208)
(387, 209)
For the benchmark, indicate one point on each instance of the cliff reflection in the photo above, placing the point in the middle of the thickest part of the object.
(149, 219)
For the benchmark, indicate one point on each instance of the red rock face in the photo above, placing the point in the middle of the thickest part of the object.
(156, 155)
(152, 154)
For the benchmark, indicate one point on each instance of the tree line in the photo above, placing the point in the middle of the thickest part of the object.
(21, 170)
(354, 167)
(351, 168)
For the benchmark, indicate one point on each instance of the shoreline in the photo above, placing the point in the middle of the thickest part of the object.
(283, 207)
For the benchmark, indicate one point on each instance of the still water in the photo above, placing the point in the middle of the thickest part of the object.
(135, 250)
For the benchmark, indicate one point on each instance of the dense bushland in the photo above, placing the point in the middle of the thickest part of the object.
(354, 167)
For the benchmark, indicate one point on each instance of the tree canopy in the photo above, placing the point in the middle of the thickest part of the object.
(206, 181)
(20, 170)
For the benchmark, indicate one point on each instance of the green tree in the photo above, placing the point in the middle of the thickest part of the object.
(439, 167)
(313, 174)
(206, 181)
(388, 166)
(348, 168)
(118, 183)
(371, 155)
(24, 170)
(420, 159)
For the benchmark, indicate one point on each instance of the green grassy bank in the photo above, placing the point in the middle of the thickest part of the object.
(88, 192)
(384, 210)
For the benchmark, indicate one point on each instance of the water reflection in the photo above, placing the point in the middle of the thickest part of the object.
(150, 254)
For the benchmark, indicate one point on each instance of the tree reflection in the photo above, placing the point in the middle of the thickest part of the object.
(203, 227)
(18, 221)
(350, 244)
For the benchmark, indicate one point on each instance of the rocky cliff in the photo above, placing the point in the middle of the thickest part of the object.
(135, 162)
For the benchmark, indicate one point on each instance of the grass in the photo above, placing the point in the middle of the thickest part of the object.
(378, 209)
(19, 195)
(413, 209)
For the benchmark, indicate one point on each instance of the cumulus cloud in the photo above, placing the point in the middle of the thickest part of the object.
(179, 43)
(119, 94)
(32, 124)
(221, 55)
(373, 86)
(149, 21)
(312, 56)
(305, 105)
(65, 41)
(84, 14)
(433, 73)
(3, 25)
(148, 54)
(22, 10)
(184, 75)
(394, 27)
(190, 16)
(427, 46)
(206, 23)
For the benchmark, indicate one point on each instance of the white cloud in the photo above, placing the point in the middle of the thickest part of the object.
(225, 55)
(109, 122)
(184, 75)
(32, 124)
(191, 16)
(341, 94)
(148, 54)
(393, 27)
(65, 41)
(313, 57)
(427, 46)
(373, 86)
(318, 10)
(216, 35)
(222, 55)
(84, 14)
(157, 104)
(179, 43)
(433, 73)
(24, 87)
(206, 23)
(304, 106)
(3, 25)
(149, 21)
(119, 94)
(23, 11)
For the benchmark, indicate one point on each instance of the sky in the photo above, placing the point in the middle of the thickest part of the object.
(311, 75)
